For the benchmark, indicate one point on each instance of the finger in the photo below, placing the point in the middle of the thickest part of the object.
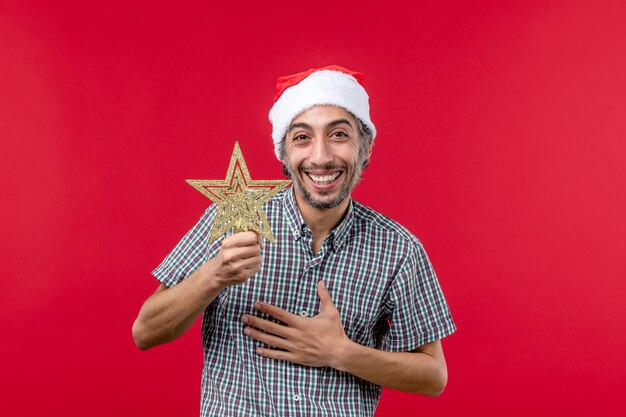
(277, 313)
(266, 325)
(268, 339)
(234, 254)
(326, 301)
(260, 240)
(280, 355)
(248, 238)
(252, 270)
(247, 263)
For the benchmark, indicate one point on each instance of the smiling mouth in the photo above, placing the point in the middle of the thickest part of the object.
(324, 179)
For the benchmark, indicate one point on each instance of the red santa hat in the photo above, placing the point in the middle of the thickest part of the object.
(330, 85)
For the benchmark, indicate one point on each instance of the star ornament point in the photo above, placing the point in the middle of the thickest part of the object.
(239, 199)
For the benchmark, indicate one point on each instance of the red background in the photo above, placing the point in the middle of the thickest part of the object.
(501, 145)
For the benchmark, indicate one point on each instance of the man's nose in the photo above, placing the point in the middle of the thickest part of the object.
(321, 153)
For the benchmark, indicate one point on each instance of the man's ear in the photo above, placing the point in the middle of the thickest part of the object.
(286, 171)
(366, 162)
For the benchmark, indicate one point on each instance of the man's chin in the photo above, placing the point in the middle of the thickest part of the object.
(324, 201)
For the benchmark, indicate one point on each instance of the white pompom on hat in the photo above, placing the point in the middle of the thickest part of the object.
(330, 85)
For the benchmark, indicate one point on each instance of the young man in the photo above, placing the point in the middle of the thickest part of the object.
(344, 303)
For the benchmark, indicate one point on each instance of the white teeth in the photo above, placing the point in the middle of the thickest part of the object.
(324, 179)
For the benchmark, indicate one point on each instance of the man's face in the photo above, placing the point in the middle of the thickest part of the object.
(322, 155)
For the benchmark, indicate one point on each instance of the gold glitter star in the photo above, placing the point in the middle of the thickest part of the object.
(239, 199)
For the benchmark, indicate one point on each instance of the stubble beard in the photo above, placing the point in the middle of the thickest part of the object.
(344, 191)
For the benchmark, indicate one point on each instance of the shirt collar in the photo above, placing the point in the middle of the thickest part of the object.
(293, 215)
(298, 226)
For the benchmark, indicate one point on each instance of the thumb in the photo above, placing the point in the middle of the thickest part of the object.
(259, 239)
(325, 300)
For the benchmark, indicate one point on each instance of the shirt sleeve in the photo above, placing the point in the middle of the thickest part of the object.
(191, 252)
(418, 311)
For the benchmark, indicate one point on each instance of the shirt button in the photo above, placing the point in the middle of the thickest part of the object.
(303, 313)
(296, 397)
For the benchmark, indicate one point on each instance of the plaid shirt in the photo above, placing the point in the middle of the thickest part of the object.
(378, 276)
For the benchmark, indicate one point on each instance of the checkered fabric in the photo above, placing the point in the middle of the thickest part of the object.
(378, 276)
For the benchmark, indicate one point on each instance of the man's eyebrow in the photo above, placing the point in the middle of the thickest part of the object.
(340, 121)
(308, 126)
(299, 125)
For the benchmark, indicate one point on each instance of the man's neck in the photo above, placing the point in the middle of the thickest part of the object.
(321, 221)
